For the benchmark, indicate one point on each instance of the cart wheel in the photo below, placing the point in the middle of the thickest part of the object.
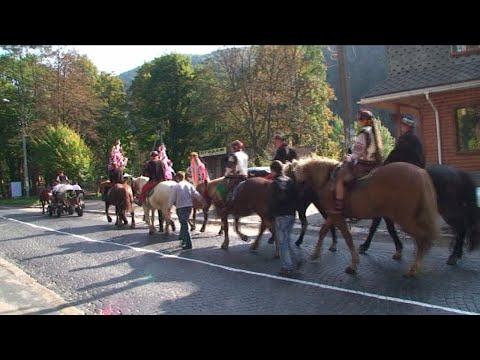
(59, 211)
(80, 211)
(50, 211)
(70, 210)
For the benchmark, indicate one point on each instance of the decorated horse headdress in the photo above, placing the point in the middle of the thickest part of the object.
(198, 168)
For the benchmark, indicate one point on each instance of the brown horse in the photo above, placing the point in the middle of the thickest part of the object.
(45, 198)
(399, 191)
(252, 197)
(121, 196)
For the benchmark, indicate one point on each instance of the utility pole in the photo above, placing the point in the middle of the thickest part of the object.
(25, 163)
(345, 92)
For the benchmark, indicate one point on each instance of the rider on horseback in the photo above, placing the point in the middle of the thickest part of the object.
(365, 156)
(197, 172)
(117, 163)
(168, 171)
(236, 169)
(154, 169)
(408, 148)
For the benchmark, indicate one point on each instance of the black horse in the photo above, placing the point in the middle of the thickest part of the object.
(457, 204)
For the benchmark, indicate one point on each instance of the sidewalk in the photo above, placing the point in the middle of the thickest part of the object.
(22, 295)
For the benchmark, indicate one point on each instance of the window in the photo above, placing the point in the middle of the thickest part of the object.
(468, 128)
(465, 49)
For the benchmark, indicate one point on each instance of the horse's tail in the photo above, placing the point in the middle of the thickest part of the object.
(472, 219)
(427, 212)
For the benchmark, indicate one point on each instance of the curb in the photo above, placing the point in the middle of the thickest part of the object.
(54, 299)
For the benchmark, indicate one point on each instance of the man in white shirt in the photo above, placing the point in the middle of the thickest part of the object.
(182, 199)
(236, 169)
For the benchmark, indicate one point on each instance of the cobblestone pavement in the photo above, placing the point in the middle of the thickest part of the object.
(97, 267)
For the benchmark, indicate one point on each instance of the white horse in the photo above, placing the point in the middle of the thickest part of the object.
(160, 199)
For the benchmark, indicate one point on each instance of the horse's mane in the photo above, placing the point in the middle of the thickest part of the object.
(316, 169)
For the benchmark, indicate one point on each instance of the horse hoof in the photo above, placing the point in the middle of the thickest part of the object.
(151, 232)
(224, 247)
(350, 270)
(276, 256)
(132, 226)
(409, 274)
(452, 260)
(298, 243)
(244, 238)
(397, 256)
(332, 248)
(362, 249)
(109, 220)
(202, 230)
(314, 257)
(271, 240)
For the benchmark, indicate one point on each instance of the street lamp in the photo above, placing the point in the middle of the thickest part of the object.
(24, 145)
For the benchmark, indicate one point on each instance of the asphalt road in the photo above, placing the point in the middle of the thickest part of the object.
(97, 267)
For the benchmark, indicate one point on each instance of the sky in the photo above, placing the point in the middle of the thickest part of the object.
(121, 58)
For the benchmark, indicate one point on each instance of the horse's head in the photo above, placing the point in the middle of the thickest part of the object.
(138, 183)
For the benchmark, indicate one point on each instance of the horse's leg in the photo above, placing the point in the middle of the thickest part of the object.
(323, 231)
(422, 245)
(332, 247)
(373, 228)
(205, 217)
(302, 215)
(192, 222)
(393, 233)
(458, 227)
(256, 243)
(132, 214)
(107, 205)
(149, 220)
(226, 240)
(124, 216)
(343, 227)
(43, 206)
(237, 229)
(160, 220)
(168, 221)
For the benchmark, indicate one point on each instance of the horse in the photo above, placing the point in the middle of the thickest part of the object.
(400, 191)
(306, 196)
(45, 196)
(121, 196)
(456, 201)
(252, 196)
(160, 200)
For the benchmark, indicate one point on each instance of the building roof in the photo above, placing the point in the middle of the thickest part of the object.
(419, 79)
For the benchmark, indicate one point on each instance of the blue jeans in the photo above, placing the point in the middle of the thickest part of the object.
(288, 252)
(183, 216)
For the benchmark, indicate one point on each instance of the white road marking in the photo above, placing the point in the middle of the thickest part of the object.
(228, 268)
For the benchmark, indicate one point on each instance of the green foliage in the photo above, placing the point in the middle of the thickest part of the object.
(387, 139)
(60, 148)
(161, 95)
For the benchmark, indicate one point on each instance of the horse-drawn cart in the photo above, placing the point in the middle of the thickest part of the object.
(66, 201)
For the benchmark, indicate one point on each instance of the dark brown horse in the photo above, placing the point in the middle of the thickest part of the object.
(399, 191)
(121, 196)
(457, 204)
(45, 196)
(252, 197)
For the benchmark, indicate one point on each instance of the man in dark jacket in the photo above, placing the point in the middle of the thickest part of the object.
(408, 147)
(153, 168)
(284, 152)
(282, 209)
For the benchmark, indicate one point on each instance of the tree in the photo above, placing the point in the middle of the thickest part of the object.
(61, 148)
(160, 104)
(266, 89)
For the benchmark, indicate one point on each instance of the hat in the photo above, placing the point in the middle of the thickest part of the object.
(280, 137)
(154, 153)
(408, 122)
(364, 115)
